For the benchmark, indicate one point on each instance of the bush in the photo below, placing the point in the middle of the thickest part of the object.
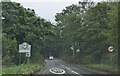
(9, 50)
(89, 59)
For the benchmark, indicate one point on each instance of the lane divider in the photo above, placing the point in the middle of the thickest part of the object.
(68, 68)
(75, 72)
(72, 70)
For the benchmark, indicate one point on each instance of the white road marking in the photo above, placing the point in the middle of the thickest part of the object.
(54, 71)
(63, 65)
(69, 69)
(75, 72)
(72, 70)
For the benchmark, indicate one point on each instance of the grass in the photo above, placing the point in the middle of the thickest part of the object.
(110, 68)
(103, 67)
(29, 68)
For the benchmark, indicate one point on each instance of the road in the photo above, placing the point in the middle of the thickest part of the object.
(67, 67)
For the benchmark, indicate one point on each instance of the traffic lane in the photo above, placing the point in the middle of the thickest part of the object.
(80, 69)
(68, 67)
(53, 64)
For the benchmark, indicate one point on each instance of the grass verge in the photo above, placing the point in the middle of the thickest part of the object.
(28, 68)
(103, 67)
(110, 68)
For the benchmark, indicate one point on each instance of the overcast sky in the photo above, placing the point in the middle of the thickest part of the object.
(47, 9)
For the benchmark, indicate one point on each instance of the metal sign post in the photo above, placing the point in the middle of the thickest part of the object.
(20, 59)
(72, 50)
(111, 49)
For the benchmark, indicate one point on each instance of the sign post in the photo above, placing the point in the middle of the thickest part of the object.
(25, 48)
(20, 59)
(111, 49)
(72, 50)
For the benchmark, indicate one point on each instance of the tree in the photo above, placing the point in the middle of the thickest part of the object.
(22, 25)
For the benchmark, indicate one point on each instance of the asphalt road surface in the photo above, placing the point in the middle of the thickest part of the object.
(67, 67)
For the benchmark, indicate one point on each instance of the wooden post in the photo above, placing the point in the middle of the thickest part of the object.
(111, 59)
(28, 60)
(20, 59)
(73, 52)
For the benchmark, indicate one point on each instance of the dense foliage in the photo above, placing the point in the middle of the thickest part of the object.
(82, 34)
(90, 28)
(22, 25)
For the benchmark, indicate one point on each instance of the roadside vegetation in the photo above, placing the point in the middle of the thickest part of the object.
(23, 25)
(29, 68)
(103, 67)
(90, 28)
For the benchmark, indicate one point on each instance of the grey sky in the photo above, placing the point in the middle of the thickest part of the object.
(47, 9)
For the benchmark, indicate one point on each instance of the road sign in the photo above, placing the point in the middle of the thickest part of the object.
(25, 45)
(78, 50)
(24, 48)
(72, 48)
(28, 54)
(110, 49)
